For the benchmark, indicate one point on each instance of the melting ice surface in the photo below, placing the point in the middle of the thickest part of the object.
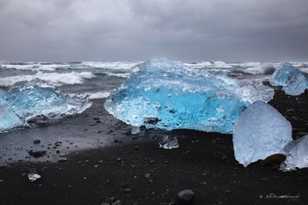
(169, 95)
(297, 154)
(22, 103)
(260, 132)
(292, 80)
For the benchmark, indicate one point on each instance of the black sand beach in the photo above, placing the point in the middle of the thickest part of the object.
(193, 64)
(131, 169)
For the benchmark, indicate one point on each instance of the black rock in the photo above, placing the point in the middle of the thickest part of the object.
(40, 120)
(36, 141)
(37, 154)
(58, 143)
(151, 120)
(117, 202)
(147, 175)
(185, 197)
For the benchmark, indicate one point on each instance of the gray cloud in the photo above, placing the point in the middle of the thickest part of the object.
(133, 29)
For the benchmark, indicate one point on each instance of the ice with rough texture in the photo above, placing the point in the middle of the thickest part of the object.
(169, 95)
(9, 119)
(33, 177)
(168, 142)
(297, 154)
(260, 132)
(292, 80)
(22, 103)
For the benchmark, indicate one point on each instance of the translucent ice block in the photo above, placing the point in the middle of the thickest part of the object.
(169, 95)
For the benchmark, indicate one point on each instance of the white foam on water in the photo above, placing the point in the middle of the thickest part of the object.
(119, 75)
(199, 65)
(35, 66)
(261, 68)
(111, 65)
(209, 64)
(56, 79)
(92, 95)
(98, 95)
(220, 64)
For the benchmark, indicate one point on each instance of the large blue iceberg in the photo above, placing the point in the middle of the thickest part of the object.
(24, 103)
(169, 95)
(292, 80)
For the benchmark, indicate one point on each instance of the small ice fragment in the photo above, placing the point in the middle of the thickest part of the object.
(33, 177)
(260, 132)
(297, 154)
(185, 196)
(168, 142)
(135, 130)
(292, 80)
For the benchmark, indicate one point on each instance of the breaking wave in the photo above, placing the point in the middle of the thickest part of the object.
(55, 79)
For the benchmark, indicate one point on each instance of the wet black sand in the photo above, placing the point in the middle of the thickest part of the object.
(130, 170)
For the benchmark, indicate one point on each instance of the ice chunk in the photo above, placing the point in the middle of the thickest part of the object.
(168, 142)
(9, 119)
(169, 95)
(260, 132)
(33, 177)
(297, 154)
(29, 101)
(24, 103)
(292, 80)
(135, 130)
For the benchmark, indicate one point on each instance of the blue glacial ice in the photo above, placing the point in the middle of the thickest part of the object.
(25, 102)
(169, 95)
(260, 132)
(292, 80)
(9, 119)
(297, 154)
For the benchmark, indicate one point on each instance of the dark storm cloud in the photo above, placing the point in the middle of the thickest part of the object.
(135, 29)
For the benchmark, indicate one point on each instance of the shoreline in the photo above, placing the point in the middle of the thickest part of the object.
(133, 170)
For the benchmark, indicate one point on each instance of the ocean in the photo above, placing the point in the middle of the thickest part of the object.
(96, 81)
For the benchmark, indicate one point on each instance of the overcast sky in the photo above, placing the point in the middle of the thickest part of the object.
(231, 30)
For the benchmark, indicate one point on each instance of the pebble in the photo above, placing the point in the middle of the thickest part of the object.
(36, 141)
(147, 175)
(185, 197)
(117, 202)
(127, 190)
